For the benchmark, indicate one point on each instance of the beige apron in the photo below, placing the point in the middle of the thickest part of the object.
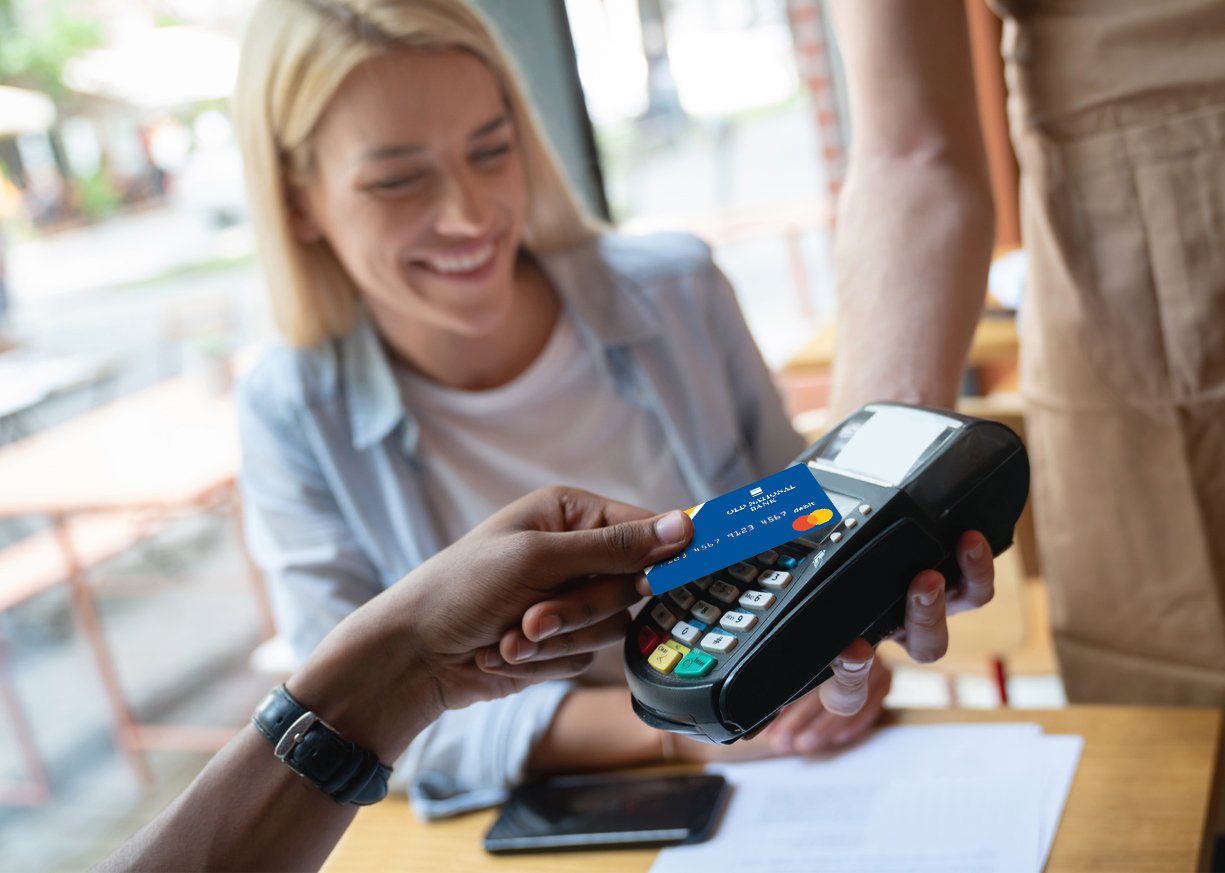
(1118, 116)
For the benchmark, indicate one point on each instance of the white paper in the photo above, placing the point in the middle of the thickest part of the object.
(1062, 756)
(947, 798)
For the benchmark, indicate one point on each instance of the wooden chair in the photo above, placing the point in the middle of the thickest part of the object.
(36, 564)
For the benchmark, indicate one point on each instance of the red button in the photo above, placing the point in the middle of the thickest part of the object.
(648, 640)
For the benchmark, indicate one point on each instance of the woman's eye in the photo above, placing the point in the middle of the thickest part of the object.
(397, 183)
(491, 154)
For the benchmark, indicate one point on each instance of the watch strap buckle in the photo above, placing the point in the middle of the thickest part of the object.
(295, 734)
(341, 769)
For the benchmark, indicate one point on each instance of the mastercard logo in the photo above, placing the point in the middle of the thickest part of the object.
(816, 518)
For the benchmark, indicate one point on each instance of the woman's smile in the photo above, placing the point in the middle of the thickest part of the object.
(471, 262)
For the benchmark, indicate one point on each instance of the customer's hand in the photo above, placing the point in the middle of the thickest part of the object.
(536, 589)
(566, 558)
(560, 561)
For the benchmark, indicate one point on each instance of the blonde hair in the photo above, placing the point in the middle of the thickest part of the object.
(295, 55)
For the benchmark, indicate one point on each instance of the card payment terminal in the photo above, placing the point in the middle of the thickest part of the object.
(748, 639)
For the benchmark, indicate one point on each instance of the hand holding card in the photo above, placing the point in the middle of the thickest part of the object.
(745, 522)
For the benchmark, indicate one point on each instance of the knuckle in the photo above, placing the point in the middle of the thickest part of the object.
(925, 618)
(620, 538)
(927, 651)
(570, 503)
(563, 645)
(615, 625)
(983, 594)
(521, 548)
(852, 684)
(576, 664)
(844, 704)
(587, 614)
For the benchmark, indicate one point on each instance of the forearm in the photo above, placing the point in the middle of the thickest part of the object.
(248, 810)
(245, 811)
(595, 729)
(915, 222)
(911, 259)
(427, 644)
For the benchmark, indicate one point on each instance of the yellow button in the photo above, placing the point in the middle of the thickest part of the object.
(673, 644)
(664, 658)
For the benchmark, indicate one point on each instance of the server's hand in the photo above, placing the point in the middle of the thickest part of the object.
(930, 600)
(854, 692)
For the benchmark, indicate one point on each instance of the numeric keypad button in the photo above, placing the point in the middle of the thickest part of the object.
(717, 642)
(705, 612)
(686, 633)
(742, 572)
(663, 616)
(776, 579)
(759, 600)
(682, 598)
(737, 621)
(723, 592)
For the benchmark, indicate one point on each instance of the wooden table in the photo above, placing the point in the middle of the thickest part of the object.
(28, 380)
(164, 450)
(173, 444)
(1140, 801)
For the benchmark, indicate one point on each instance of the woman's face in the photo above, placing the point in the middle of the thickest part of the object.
(419, 188)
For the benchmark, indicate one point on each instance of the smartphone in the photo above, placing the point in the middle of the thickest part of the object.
(608, 812)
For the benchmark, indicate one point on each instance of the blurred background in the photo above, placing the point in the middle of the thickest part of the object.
(133, 636)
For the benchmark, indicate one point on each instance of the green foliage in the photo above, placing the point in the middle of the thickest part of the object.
(99, 197)
(35, 47)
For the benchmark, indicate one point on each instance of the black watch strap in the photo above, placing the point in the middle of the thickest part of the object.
(315, 751)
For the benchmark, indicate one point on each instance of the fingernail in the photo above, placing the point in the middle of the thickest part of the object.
(549, 625)
(854, 666)
(525, 650)
(975, 553)
(670, 528)
(782, 743)
(928, 597)
(843, 738)
(493, 660)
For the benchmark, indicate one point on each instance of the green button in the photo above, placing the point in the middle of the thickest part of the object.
(695, 665)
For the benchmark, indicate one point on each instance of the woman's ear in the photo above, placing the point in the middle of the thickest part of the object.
(301, 218)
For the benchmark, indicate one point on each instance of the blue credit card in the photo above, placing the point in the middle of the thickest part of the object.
(747, 522)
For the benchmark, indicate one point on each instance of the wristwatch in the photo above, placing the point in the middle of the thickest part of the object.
(314, 750)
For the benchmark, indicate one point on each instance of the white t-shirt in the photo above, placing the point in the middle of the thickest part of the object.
(558, 423)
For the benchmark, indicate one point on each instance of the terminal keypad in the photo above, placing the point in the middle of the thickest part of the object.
(693, 626)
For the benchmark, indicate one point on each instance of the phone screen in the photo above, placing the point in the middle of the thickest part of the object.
(603, 812)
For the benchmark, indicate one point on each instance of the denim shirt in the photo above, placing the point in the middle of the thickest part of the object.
(331, 477)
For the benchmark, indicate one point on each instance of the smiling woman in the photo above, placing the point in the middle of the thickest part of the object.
(422, 197)
(458, 333)
(298, 56)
